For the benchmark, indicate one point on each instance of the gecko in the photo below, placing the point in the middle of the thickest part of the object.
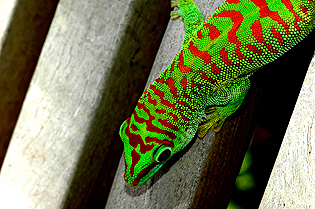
(209, 77)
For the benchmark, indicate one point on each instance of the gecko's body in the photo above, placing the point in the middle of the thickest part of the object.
(209, 75)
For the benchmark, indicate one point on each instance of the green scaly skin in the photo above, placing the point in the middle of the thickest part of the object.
(209, 75)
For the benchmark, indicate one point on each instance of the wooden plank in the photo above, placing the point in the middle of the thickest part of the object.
(93, 67)
(292, 181)
(23, 28)
(226, 156)
(184, 181)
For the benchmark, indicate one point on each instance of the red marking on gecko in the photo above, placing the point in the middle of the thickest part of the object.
(183, 68)
(161, 95)
(266, 12)
(213, 31)
(257, 31)
(172, 67)
(254, 49)
(187, 96)
(233, 1)
(199, 34)
(205, 77)
(134, 127)
(258, 34)
(225, 58)
(171, 84)
(289, 6)
(184, 83)
(175, 118)
(304, 10)
(149, 139)
(214, 69)
(160, 80)
(135, 140)
(185, 104)
(277, 35)
(198, 53)
(184, 117)
(160, 111)
(165, 123)
(150, 126)
(135, 159)
(150, 100)
(239, 54)
(237, 18)
(194, 85)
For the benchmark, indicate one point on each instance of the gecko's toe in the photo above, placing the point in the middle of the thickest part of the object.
(174, 15)
(175, 3)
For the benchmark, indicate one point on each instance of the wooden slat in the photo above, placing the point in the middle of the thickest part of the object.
(23, 28)
(292, 181)
(226, 156)
(186, 180)
(93, 67)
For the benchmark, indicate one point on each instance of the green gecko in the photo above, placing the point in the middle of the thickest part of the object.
(208, 79)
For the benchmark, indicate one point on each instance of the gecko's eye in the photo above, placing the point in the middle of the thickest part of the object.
(161, 154)
(122, 128)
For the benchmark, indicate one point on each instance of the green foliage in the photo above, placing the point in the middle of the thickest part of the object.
(233, 205)
(245, 179)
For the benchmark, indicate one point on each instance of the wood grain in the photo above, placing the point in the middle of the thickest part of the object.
(292, 181)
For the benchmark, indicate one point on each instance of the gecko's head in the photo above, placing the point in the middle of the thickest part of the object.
(151, 136)
(150, 140)
(145, 152)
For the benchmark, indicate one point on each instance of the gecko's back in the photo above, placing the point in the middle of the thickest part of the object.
(243, 35)
(208, 79)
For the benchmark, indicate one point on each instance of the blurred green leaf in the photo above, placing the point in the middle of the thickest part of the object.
(247, 162)
(233, 205)
(245, 182)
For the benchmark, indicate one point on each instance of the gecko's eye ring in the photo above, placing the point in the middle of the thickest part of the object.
(122, 128)
(162, 154)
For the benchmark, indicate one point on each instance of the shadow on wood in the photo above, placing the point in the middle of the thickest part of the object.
(19, 52)
(125, 83)
(226, 156)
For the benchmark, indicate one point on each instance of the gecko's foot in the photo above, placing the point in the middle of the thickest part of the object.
(214, 121)
(190, 14)
(187, 10)
(175, 3)
(223, 104)
(175, 14)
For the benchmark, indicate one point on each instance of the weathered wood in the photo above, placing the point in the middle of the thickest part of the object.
(181, 182)
(226, 156)
(93, 67)
(23, 28)
(292, 181)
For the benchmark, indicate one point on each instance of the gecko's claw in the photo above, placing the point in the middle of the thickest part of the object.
(213, 121)
(175, 14)
(175, 3)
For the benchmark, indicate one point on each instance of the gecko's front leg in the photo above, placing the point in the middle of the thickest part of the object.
(190, 14)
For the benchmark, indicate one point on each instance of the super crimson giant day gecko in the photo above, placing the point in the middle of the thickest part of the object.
(208, 79)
